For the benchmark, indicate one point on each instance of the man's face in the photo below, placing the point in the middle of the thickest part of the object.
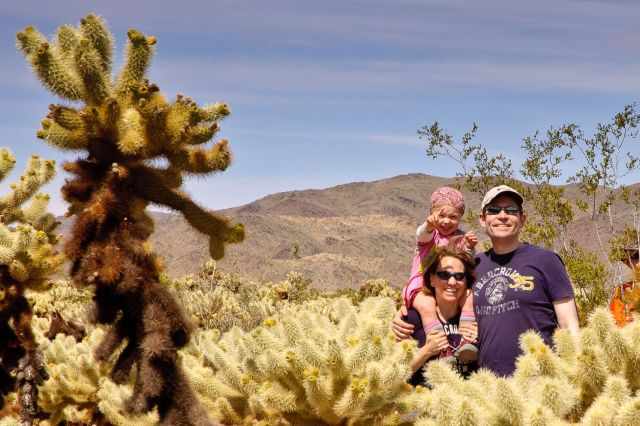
(502, 225)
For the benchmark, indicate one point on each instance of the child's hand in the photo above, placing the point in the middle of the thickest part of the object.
(470, 239)
(432, 220)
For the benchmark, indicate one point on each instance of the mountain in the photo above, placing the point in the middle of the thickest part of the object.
(338, 237)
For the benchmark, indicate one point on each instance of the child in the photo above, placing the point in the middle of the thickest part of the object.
(440, 229)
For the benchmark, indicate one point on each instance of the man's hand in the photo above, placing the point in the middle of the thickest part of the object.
(469, 330)
(567, 315)
(402, 330)
(470, 239)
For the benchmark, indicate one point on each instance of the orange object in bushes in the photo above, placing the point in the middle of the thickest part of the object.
(619, 304)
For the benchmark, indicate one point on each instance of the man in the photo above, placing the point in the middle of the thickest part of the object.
(519, 286)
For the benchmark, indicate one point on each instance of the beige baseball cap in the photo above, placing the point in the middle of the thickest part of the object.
(498, 190)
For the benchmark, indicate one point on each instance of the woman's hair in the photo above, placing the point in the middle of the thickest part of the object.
(441, 252)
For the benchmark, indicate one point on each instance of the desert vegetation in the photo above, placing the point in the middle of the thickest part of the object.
(121, 343)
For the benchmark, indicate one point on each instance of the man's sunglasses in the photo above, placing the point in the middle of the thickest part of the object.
(494, 210)
(445, 275)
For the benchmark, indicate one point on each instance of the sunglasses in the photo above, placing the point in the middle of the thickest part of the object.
(446, 275)
(494, 210)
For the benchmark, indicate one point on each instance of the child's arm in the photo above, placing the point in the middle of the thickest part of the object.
(425, 232)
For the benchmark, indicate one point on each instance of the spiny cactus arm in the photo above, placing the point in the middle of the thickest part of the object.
(276, 397)
(90, 68)
(557, 394)
(351, 403)
(61, 137)
(138, 57)
(8, 244)
(225, 412)
(202, 161)
(131, 128)
(541, 416)
(67, 39)
(38, 173)
(628, 413)
(204, 381)
(320, 396)
(7, 162)
(36, 215)
(29, 40)
(49, 65)
(217, 228)
(94, 29)
(213, 112)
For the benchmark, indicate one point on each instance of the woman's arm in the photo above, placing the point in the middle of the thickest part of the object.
(436, 342)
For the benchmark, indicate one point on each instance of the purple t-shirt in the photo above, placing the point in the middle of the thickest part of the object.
(513, 293)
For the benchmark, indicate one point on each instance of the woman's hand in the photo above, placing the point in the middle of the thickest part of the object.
(401, 329)
(469, 330)
(436, 342)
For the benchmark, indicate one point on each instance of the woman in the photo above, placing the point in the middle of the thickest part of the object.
(449, 278)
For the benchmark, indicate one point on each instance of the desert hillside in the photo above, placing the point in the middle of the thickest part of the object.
(338, 237)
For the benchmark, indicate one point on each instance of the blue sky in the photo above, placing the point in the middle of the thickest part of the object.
(330, 92)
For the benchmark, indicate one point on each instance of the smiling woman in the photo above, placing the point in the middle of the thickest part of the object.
(449, 279)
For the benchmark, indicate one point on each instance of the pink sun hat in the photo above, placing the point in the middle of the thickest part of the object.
(447, 195)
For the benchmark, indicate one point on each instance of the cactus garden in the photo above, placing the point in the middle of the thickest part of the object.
(93, 332)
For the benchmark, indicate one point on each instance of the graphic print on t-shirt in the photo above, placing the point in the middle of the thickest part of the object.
(495, 285)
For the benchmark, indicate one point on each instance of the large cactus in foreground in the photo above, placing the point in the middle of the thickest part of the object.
(121, 126)
(320, 363)
(27, 258)
(590, 380)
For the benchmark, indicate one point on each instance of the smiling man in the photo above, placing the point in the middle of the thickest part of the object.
(519, 286)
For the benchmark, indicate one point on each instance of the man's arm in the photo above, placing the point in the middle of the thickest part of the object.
(567, 315)
(401, 329)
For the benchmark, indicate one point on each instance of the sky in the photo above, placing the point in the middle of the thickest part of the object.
(330, 92)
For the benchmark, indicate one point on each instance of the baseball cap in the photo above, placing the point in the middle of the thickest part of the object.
(499, 190)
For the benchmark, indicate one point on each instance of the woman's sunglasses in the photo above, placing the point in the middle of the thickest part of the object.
(493, 210)
(445, 275)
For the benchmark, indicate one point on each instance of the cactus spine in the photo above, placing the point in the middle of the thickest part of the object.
(124, 122)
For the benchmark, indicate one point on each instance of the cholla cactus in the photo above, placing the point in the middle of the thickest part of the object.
(79, 391)
(591, 380)
(379, 287)
(62, 297)
(302, 367)
(122, 124)
(27, 258)
(222, 309)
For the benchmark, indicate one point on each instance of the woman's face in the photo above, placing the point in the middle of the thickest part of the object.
(449, 290)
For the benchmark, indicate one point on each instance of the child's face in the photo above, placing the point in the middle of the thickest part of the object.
(447, 219)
